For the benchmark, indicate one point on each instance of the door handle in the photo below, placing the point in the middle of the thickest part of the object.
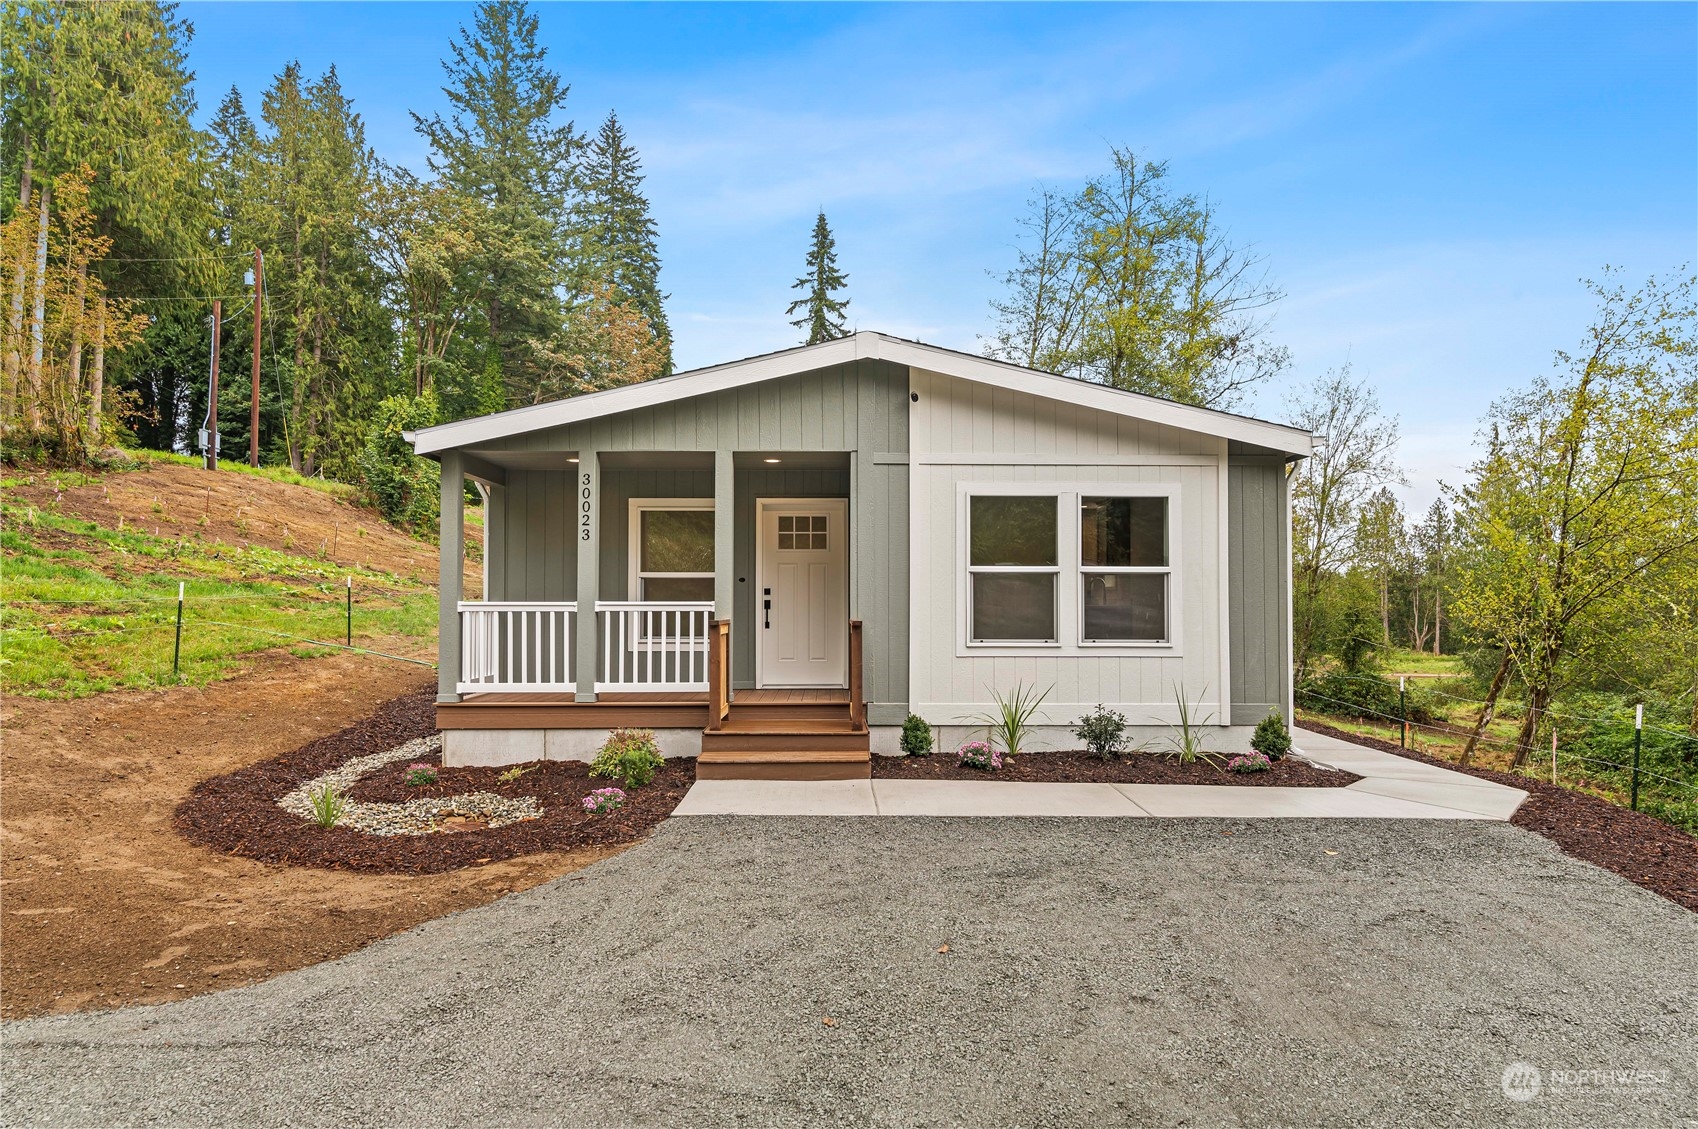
(766, 611)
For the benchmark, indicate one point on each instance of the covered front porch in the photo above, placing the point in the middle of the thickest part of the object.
(652, 589)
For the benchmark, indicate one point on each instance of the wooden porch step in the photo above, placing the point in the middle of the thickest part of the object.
(742, 723)
(844, 741)
(777, 711)
(784, 764)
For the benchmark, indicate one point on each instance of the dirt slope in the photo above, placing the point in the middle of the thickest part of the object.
(102, 904)
(240, 509)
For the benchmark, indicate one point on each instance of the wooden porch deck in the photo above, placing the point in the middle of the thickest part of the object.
(649, 711)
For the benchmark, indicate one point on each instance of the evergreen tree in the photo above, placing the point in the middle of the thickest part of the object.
(614, 240)
(501, 146)
(323, 288)
(106, 87)
(823, 312)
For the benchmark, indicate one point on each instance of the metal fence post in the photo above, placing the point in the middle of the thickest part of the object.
(350, 611)
(1638, 735)
(177, 647)
(1402, 712)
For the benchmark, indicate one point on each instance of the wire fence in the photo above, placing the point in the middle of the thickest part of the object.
(1526, 753)
(340, 596)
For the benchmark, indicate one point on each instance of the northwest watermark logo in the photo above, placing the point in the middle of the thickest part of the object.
(1522, 1081)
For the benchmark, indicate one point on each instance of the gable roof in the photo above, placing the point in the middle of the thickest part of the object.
(864, 345)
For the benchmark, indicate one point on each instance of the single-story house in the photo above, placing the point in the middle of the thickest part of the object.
(772, 562)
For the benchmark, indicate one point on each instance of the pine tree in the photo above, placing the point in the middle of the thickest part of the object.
(501, 146)
(614, 239)
(823, 318)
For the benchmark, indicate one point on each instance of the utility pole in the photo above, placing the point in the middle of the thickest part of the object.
(212, 392)
(253, 403)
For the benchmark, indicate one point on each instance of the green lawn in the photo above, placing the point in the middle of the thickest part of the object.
(88, 609)
(1421, 664)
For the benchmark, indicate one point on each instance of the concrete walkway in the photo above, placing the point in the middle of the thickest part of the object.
(1392, 787)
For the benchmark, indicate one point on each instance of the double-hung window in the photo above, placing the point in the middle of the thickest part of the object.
(1078, 567)
(1124, 569)
(672, 549)
(1013, 567)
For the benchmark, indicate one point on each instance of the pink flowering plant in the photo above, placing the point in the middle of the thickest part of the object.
(979, 755)
(1249, 762)
(420, 774)
(604, 800)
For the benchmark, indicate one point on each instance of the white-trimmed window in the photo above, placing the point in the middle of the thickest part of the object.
(672, 549)
(1013, 566)
(1075, 568)
(1124, 568)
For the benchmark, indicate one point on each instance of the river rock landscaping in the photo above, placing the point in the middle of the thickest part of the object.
(467, 816)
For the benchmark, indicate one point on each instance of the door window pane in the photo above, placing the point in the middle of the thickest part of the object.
(1012, 530)
(1125, 606)
(1013, 606)
(677, 541)
(1123, 532)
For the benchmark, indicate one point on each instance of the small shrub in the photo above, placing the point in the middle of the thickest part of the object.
(328, 804)
(1249, 762)
(1271, 738)
(1103, 731)
(979, 755)
(421, 774)
(1366, 697)
(604, 800)
(515, 772)
(629, 755)
(916, 736)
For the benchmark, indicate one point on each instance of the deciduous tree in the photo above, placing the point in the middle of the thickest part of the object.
(1586, 491)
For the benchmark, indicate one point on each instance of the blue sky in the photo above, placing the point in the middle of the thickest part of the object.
(1428, 183)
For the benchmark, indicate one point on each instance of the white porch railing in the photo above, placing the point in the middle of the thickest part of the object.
(652, 647)
(516, 647)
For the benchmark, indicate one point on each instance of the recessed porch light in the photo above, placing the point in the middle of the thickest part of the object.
(571, 460)
(772, 460)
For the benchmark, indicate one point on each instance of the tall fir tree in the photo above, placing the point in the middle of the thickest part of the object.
(107, 87)
(614, 236)
(822, 310)
(501, 145)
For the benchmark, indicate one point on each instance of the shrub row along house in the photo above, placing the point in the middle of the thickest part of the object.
(772, 562)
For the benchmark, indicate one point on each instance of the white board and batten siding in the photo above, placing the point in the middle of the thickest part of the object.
(965, 436)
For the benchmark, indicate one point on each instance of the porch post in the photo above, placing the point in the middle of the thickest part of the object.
(586, 532)
(494, 541)
(724, 534)
(453, 541)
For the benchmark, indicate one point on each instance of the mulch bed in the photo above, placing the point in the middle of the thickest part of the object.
(1134, 768)
(1639, 847)
(238, 813)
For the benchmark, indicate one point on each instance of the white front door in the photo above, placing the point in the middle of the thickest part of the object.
(802, 595)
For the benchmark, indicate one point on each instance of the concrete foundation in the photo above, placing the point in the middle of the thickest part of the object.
(1051, 738)
(479, 748)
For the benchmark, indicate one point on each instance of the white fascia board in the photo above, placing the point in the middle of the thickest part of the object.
(865, 345)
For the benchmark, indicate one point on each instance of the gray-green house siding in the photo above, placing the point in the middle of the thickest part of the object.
(1257, 586)
(859, 410)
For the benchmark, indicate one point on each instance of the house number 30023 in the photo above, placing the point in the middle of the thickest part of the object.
(585, 493)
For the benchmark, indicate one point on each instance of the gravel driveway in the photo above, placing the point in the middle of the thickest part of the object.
(738, 971)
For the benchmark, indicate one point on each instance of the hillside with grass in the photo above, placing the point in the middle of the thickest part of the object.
(92, 560)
